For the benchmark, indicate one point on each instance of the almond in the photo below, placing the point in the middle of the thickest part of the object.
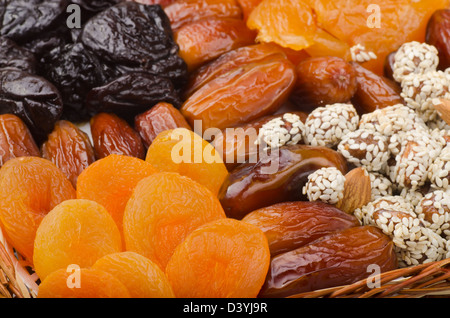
(442, 107)
(357, 190)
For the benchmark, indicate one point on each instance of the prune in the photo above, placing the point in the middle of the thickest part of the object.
(74, 71)
(24, 19)
(336, 259)
(133, 36)
(95, 5)
(290, 225)
(278, 176)
(13, 55)
(32, 98)
(47, 41)
(438, 34)
(131, 94)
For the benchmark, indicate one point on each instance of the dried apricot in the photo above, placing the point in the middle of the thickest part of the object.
(231, 257)
(69, 148)
(142, 277)
(206, 39)
(163, 209)
(76, 232)
(110, 182)
(15, 139)
(90, 283)
(30, 188)
(183, 151)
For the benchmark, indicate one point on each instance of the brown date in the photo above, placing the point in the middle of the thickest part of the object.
(243, 94)
(69, 149)
(229, 61)
(113, 135)
(374, 91)
(15, 139)
(290, 225)
(321, 81)
(278, 176)
(162, 116)
(388, 69)
(206, 39)
(182, 12)
(438, 34)
(336, 259)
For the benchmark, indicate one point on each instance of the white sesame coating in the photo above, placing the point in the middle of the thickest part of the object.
(381, 185)
(287, 129)
(365, 148)
(326, 125)
(360, 54)
(414, 58)
(439, 170)
(434, 209)
(326, 185)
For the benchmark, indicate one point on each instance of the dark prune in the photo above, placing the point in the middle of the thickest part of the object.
(74, 71)
(32, 98)
(131, 94)
(135, 37)
(96, 5)
(46, 41)
(12, 55)
(24, 19)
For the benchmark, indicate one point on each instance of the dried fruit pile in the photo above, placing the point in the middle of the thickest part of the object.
(223, 148)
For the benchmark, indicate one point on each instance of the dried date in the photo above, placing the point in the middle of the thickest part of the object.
(438, 34)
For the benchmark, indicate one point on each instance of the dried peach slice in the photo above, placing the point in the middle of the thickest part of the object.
(142, 277)
(183, 151)
(30, 188)
(223, 258)
(90, 283)
(163, 209)
(75, 232)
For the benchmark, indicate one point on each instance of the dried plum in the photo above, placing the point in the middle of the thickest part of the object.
(135, 37)
(74, 71)
(32, 98)
(12, 55)
(95, 5)
(48, 40)
(132, 94)
(24, 19)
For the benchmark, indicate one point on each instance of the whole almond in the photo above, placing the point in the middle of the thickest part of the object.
(442, 107)
(357, 190)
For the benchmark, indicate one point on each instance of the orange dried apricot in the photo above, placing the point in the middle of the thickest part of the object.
(76, 232)
(93, 283)
(163, 209)
(110, 182)
(183, 151)
(142, 277)
(223, 258)
(30, 188)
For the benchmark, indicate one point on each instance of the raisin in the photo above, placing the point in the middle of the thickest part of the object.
(13, 55)
(113, 135)
(24, 19)
(133, 36)
(336, 259)
(32, 98)
(131, 94)
(278, 176)
(438, 34)
(74, 71)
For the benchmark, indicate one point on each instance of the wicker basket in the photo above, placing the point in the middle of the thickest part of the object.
(17, 280)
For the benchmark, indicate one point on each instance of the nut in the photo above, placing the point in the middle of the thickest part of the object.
(357, 190)
(442, 107)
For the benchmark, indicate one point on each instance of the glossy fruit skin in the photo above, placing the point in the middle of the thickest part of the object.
(15, 139)
(69, 149)
(276, 177)
(438, 34)
(229, 61)
(336, 259)
(32, 98)
(13, 55)
(161, 117)
(131, 94)
(244, 94)
(135, 37)
(182, 12)
(206, 39)
(388, 69)
(374, 91)
(113, 135)
(322, 81)
(290, 225)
